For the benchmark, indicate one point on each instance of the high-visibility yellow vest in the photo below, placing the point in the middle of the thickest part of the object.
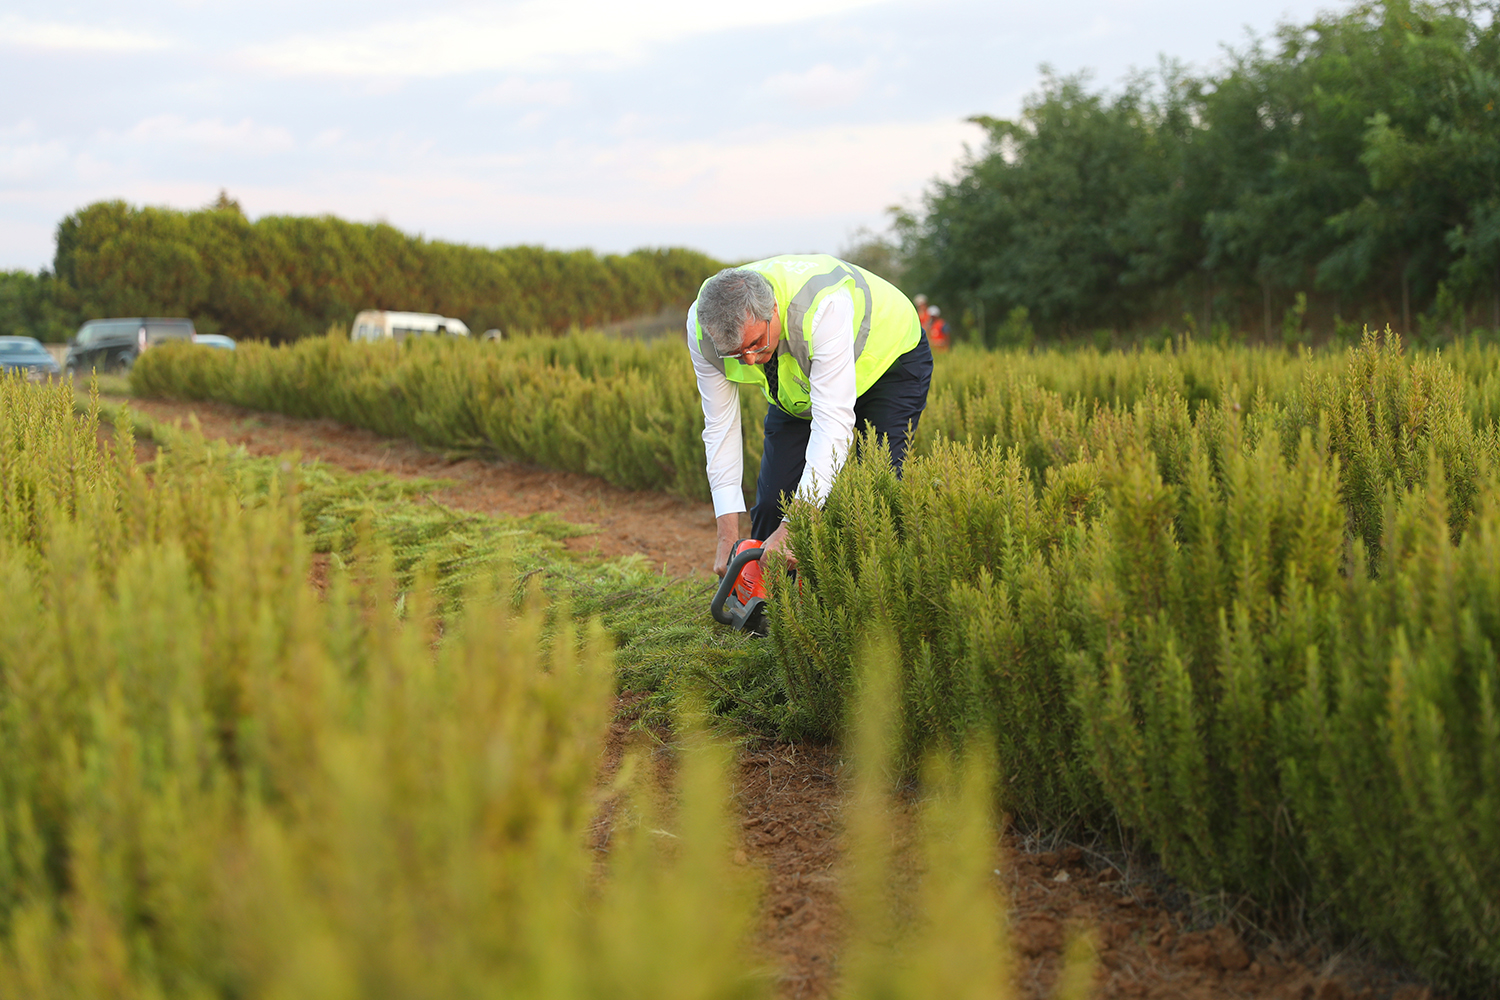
(885, 326)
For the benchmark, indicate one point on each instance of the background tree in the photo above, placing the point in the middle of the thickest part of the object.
(1356, 157)
(1042, 220)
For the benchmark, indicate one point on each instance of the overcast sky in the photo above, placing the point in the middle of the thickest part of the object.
(742, 130)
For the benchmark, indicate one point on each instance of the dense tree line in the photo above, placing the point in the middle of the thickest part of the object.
(1347, 170)
(283, 277)
(29, 307)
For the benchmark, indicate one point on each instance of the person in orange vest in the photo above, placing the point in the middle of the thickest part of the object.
(921, 303)
(937, 329)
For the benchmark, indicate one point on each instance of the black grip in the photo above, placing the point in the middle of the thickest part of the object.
(740, 560)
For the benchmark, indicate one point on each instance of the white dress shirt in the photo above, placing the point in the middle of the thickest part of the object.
(833, 391)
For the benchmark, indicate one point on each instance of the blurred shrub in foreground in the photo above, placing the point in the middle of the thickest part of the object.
(219, 782)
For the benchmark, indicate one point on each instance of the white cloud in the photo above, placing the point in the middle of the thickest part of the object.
(1102, 26)
(518, 91)
(772, 178)
(57, 35)
(822, 86)
(32, 161)
(631, 123)
(95, 170)
(22, 129)
(779, 190)
(817, 172)
(527, 36)
(212, 135)
(25, 244)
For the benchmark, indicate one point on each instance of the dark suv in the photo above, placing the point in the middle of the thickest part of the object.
(112, 345)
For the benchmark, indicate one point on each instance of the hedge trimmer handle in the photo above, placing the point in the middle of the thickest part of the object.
(741, 559)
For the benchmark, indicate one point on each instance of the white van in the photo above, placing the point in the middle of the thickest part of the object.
(378, 324)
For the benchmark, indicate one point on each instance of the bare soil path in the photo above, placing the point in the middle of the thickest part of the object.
(673, 534)
(790, 796)
(790, 800)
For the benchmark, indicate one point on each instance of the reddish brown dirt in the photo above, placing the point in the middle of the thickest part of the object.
(145, 451)
(621, 737)
(790, 799)
(790, 796)
(1145, 949)
(674, 534)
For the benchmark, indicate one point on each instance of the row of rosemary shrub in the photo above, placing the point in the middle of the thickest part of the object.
(220, 782)
(625, 411)
(1264, 642)
(666, 645)
(628, 411)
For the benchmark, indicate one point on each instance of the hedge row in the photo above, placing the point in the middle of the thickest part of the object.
(628, 411)
(625, 411)
(284, 277)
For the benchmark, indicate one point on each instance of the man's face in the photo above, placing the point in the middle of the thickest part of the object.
(760, 339)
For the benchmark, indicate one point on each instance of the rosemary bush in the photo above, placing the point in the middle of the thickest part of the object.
(625, 411)
(221, 782)
(1262, 637)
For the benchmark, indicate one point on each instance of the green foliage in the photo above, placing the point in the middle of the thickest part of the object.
(28, 307)
(955, 854)
(220, 781)
(1293, 330)
(628, 411)
(220, 784)
(1017, 330)
(972, 570)
(665, 643)
(1355, 156)
(1042, 219)
(625, 411)
(1391, 753)
(1260, 638)
(285, 277)
(1214, 593)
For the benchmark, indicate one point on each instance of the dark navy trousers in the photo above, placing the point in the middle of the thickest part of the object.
(893, 406)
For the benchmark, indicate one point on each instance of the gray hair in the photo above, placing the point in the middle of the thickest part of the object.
(726, 299)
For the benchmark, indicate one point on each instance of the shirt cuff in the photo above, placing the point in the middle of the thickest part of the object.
(728, 500)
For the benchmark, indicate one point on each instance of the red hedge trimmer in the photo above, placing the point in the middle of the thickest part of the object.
(740, 601)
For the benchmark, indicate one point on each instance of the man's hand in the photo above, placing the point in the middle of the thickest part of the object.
(780, 541)
(729, 533)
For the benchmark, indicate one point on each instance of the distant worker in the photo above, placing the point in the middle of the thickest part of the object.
(833, 347)
(937, 329)
(922, 310)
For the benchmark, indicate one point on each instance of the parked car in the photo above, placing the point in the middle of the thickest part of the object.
(112, 345)
(28, 355)
(218, 340)
(378, 324)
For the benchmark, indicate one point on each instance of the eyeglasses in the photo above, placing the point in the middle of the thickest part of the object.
(744, 352)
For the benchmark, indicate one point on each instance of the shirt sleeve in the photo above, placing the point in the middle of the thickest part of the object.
(833, 392)
(723, 446)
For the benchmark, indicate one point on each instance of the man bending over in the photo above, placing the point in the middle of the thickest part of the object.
(833, 347)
